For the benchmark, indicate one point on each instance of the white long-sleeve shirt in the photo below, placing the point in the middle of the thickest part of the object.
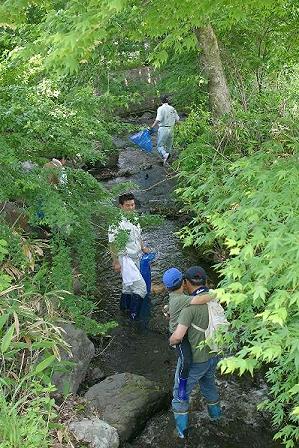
(167, 115)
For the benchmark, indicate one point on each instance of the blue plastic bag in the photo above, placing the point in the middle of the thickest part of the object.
(143, 140)
(145, 269)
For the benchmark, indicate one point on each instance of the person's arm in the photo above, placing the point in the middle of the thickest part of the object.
(165, 311)
(145, 249)
(201, 299)
(158, 118)
(114, 256)
(178, 334)
(184, 322)
(112, 248)
(155, 123)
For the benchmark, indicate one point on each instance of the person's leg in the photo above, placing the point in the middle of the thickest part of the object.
(139, 292)
(209, 390)
(185, 354)
(169, 141)
(180, 407)
(145, 312)
(161, 141)
(125, 298)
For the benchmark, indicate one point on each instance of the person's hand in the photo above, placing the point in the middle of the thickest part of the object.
(165, 311)
(116, 266)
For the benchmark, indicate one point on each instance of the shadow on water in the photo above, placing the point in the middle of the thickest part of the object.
(147, 352)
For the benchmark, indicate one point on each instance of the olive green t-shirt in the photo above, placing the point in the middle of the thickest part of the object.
(176, 303)
(199, 315)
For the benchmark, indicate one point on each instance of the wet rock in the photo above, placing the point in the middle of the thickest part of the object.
(126, 401)
(164, 206)
(147, 116)
(106, 174)
(96, 374)
(121, 143)
(133, 161)
(95, 432)
(68, 381)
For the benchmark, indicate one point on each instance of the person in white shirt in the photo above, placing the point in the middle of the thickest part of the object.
(127, 260)
(166, 119)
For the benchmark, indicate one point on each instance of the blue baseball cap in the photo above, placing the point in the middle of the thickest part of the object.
(172, 278)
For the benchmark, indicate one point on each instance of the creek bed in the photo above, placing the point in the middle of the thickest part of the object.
(147, 353)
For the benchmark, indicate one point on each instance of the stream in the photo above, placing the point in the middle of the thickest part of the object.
(147, 352)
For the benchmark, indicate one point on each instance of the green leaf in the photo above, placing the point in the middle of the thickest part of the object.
(44, 364)
(3, 320)
(7, 338)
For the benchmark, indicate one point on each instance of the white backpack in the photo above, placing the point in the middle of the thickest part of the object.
(216, 319)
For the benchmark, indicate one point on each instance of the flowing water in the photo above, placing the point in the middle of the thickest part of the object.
(147, 353)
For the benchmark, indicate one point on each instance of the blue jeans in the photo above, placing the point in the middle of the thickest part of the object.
(202, 373)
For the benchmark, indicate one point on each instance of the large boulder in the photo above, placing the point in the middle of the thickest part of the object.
(95, 432)
(126, 401)
(69, 378)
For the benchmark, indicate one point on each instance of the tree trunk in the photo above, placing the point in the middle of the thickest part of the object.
(218, 90)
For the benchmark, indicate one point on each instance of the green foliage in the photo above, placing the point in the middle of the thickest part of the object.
(27, 429)
(238, 177)
(249, 208)
(61, 275)
(26, 337)
(81, 309)
(180, 76)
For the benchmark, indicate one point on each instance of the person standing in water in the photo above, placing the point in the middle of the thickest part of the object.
(166, 119)
(127, 260)
(193, 321)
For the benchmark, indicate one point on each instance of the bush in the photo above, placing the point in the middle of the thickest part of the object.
(250, 209)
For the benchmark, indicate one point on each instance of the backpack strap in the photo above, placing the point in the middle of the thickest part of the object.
(198, 328)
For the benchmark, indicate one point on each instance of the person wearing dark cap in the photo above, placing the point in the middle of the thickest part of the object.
(173, 280)
(203, 367)
(166, 119)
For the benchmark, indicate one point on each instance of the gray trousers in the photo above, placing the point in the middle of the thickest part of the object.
(165, 140)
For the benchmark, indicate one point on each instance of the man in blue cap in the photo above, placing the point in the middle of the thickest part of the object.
(193, 320)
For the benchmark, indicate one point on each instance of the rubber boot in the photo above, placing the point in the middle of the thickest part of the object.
(181, 423)
(125, 302)
(182, 394)
(214, 410)
(135, 306)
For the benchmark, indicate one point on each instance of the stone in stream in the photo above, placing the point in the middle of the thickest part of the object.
(68, 380)
(126, 401)
(95, 432)
(121, 143)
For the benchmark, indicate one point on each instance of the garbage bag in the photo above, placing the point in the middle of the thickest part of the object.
(143, 140)
(145, 269)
